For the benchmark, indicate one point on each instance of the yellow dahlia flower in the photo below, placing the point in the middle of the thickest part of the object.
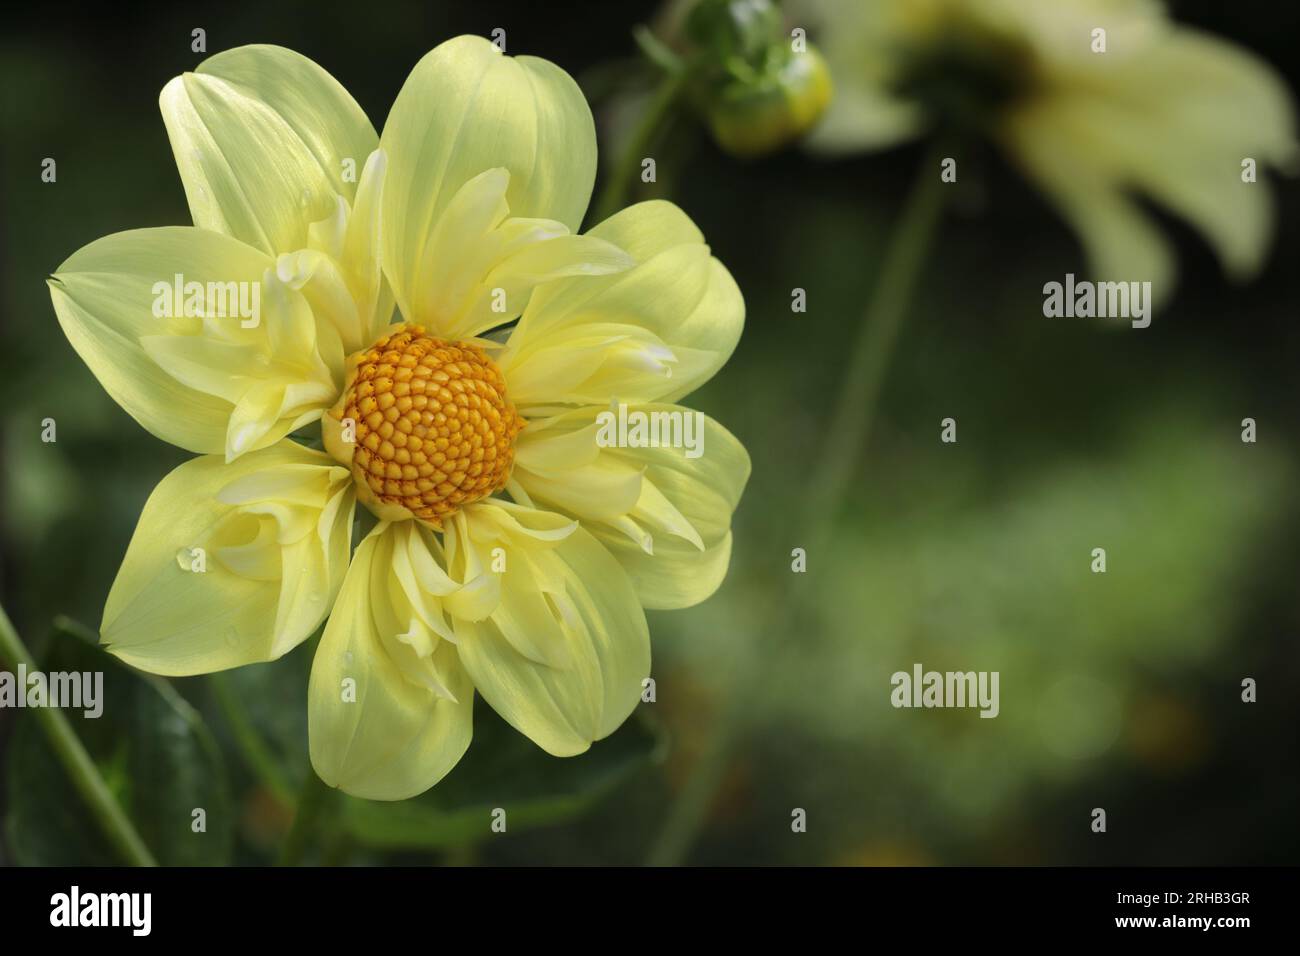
(1143, 107)
(513, 551)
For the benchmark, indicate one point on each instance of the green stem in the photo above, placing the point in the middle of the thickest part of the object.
(654, 121)
(337, 850)
(689, 811)
(855, 408)
(76, 761)
(255, 751)
(313, 801)
(850, 427)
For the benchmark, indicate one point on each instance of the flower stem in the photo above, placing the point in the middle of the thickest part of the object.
(85, 776)
(855, 407)
(850, 427)
(313, 802)
(251, 746)
(653, 122)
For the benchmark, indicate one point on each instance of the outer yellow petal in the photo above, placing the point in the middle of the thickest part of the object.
(663, 512)
(231, 563)
(261, 136)
(466, 109)
(652, 333)
(390, 707)
(195, 377)
(563, 655)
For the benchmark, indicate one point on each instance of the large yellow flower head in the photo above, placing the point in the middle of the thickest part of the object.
(522, 523)
(1098, 101)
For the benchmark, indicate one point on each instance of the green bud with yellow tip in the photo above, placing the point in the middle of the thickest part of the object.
(755, 116)
(755, 86)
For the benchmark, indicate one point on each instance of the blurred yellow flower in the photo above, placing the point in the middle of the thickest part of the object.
(273, 311)
(1097, 101)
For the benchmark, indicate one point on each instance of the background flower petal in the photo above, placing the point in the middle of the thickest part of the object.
(1120, 240)
(1173, 122)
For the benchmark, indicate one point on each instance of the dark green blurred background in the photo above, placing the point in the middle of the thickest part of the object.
(1119, 691)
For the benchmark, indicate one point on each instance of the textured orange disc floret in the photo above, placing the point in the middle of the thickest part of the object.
(434, 429)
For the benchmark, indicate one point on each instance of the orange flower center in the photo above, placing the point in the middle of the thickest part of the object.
(433, 428)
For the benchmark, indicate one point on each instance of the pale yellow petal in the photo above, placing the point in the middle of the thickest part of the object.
(265, 141)
(481, 265)
(390, 707)
(231, 564)
(654, 332)
(466, 109)
(1121, 241)
(564, 654)
(1175, 121)
(182, 325)
(663, 509)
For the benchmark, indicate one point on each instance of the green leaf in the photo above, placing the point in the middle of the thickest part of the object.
(507, 770)
(154, 752)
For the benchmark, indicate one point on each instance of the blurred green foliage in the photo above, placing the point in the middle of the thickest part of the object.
(153, 750)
